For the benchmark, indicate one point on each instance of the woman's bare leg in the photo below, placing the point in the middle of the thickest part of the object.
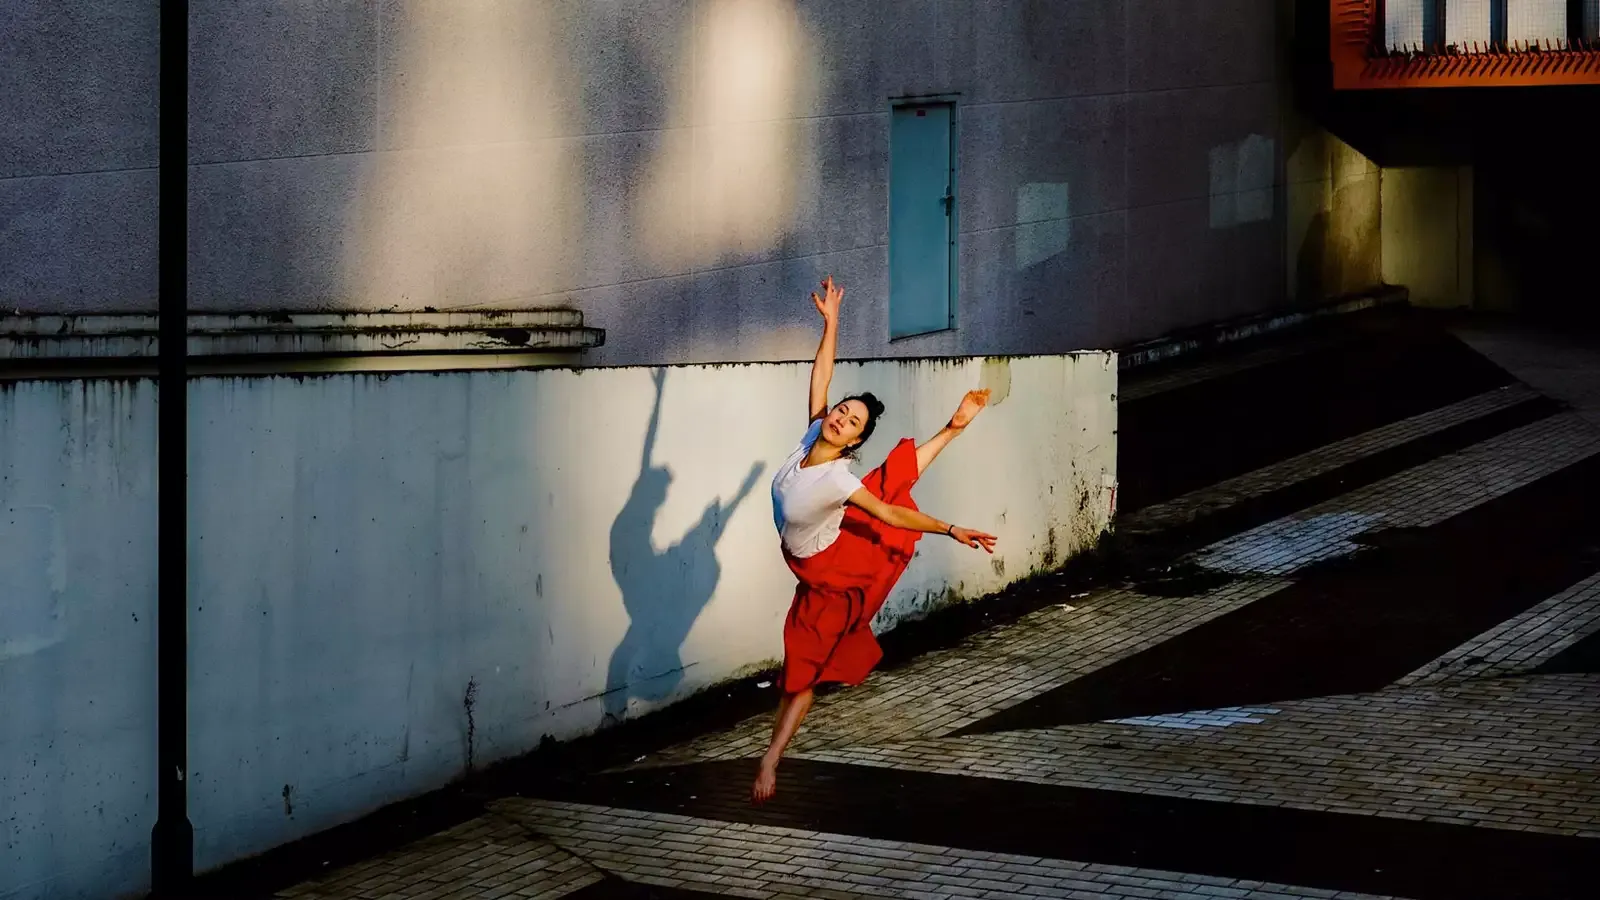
(792, 711)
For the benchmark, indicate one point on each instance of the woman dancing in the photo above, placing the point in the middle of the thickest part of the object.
(847, 540)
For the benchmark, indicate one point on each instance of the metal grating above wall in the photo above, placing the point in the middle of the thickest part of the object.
(1464, 43)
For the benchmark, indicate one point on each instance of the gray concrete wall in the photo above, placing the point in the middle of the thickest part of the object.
(78, 99)
(681, 170)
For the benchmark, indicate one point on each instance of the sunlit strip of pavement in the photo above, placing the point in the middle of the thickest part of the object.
(1523, 643)
(1314, 850)
(744, 860)
(1515, 753)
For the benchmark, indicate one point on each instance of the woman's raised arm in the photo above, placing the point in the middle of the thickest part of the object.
(822, 367)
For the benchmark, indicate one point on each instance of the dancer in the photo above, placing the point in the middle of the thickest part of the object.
(847, 540)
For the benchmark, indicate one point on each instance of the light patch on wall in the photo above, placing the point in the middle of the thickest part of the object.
(1242, 181)
(1331, 205)
(482, 201)
(32, 613)
(749, 80)
(995, 377)
(1288, 545)
(1044, 224)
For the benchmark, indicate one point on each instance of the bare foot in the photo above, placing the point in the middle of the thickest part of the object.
(766, 783)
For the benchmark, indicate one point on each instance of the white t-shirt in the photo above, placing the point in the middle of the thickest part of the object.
(808, 501)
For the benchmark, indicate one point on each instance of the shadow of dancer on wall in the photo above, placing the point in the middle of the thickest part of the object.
(663, 591)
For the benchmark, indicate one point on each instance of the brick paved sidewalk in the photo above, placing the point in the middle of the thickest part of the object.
(1350, 652)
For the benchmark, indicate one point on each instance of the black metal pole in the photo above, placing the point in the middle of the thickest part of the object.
(172, 840)
(1575, 31)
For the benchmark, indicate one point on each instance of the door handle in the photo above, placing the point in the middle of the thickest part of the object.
(948, 200)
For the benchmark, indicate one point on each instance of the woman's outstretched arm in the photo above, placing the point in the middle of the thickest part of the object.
(972, 404)
(913, 520)
(822, 368)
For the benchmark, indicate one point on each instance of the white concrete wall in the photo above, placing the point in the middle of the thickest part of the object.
(364, 547)
(77, 637)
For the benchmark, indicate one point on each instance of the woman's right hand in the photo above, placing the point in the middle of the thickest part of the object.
(828, 304)
(974, 539)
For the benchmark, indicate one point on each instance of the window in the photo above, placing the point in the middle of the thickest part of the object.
(1477, 26)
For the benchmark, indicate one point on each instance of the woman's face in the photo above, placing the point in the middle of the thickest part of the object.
(842, 426)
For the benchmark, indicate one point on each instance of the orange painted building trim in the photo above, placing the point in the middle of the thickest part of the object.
(1354, 32)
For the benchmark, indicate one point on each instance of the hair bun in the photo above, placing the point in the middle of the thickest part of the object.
(875, 409)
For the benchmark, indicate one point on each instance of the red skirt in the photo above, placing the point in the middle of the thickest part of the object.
(827, 636)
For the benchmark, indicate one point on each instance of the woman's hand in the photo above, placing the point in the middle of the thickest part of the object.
(972, 404)
(828, 304)
(974, 539)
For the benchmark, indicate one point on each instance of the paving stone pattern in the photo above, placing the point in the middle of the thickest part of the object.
(1523, 643)
(1324, 459)
(488, 857)
(1513, 753)
(769, 862)
(1475, 763)
(1417, 498)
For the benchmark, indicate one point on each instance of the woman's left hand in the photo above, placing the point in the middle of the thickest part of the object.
(972, 404)
(974, 539)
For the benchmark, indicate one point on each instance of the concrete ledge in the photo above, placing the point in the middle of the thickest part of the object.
(1224, 333)
(289, 335)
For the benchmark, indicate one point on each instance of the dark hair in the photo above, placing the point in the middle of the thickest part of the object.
(874, 410)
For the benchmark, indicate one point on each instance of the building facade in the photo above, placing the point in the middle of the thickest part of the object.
(397, 576)
(683, 171)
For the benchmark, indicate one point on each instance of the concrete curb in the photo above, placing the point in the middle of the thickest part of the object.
(1222, 334)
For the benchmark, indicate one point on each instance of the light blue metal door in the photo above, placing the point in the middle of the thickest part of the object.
(922, 218)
